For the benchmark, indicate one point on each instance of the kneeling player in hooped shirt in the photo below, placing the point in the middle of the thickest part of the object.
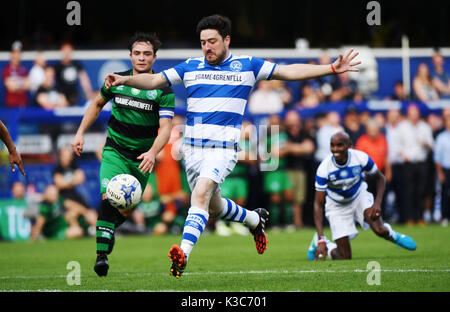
(339, 180)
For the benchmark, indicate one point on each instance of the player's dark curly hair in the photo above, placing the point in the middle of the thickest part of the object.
(218, 22)
(145, 37)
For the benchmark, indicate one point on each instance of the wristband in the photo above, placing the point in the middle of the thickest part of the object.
(332, 68)
(322, 240)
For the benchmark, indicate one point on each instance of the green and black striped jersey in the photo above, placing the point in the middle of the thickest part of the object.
(135, 115)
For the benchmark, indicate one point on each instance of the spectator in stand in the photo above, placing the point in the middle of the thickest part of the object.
(327, 126)
(67, 176)
(54, 220)
(37, 72)
(47, 96)
(442, 163)
(440, 79)
(415, 139)
(326, 82)
(422, 86)
(311, 91)
(265, 99)
(344, 88)
(436, 124)
(395, 159)
(299, 151)
(68, 73)
(15, 79)
(284, 91)
(374, 144)
(352, 125)
(398, 93)
(310, 98)
(18, 190)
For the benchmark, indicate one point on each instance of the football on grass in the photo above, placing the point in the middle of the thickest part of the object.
(124, 191)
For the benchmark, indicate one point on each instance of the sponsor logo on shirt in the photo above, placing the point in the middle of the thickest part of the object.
(127, 102)
(223, 77)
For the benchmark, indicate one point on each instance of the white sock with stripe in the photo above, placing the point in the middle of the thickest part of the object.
(193, 227)
(392, 234)
(233, 212)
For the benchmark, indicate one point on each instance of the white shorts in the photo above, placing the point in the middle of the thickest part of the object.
(213, 163)
(342, 217)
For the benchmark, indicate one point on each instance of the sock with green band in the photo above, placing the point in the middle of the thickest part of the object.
(105, 226)
(104, 236)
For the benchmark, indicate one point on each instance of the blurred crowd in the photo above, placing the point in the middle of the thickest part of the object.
(276, 167)
(57, 85)
(44, 85)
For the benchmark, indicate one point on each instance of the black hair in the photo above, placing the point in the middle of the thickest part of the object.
(218, 22)
(145, 37)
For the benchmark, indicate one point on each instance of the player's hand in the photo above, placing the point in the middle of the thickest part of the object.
(15, 159)
(321, 252)
(148, 161)
(114, 80)
(375, 212)
(344, 63)
(77, 144)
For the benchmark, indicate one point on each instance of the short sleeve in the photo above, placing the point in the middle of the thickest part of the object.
(106, 93)
(321, 178)
(167, 103)
(78, 65)
(369, 165)
(262, 69)
(175, 75)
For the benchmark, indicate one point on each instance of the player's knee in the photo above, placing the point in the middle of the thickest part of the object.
(202, 194)
(344, 255)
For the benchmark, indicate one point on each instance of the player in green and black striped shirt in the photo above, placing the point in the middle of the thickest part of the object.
(139, 127)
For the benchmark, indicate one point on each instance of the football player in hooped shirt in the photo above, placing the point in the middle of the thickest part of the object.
(218, 86)
(340, 184)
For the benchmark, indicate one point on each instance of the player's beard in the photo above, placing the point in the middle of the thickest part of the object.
(220, 58)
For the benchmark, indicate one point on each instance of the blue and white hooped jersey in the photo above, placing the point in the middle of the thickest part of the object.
(342, 184)
(217, 96)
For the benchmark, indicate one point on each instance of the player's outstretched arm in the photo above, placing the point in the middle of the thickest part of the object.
(141, 81)
(292, 72)
(89, 118)
(14, 156)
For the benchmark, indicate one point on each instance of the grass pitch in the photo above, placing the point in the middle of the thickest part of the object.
(231, 264)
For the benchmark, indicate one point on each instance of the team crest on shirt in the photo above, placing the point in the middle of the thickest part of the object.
(105, 182)
(151, 94)
(356, 171)
(343, 174)
(135, 91)
(236, 66)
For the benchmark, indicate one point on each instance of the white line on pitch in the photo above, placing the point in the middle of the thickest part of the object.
(241, 272)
